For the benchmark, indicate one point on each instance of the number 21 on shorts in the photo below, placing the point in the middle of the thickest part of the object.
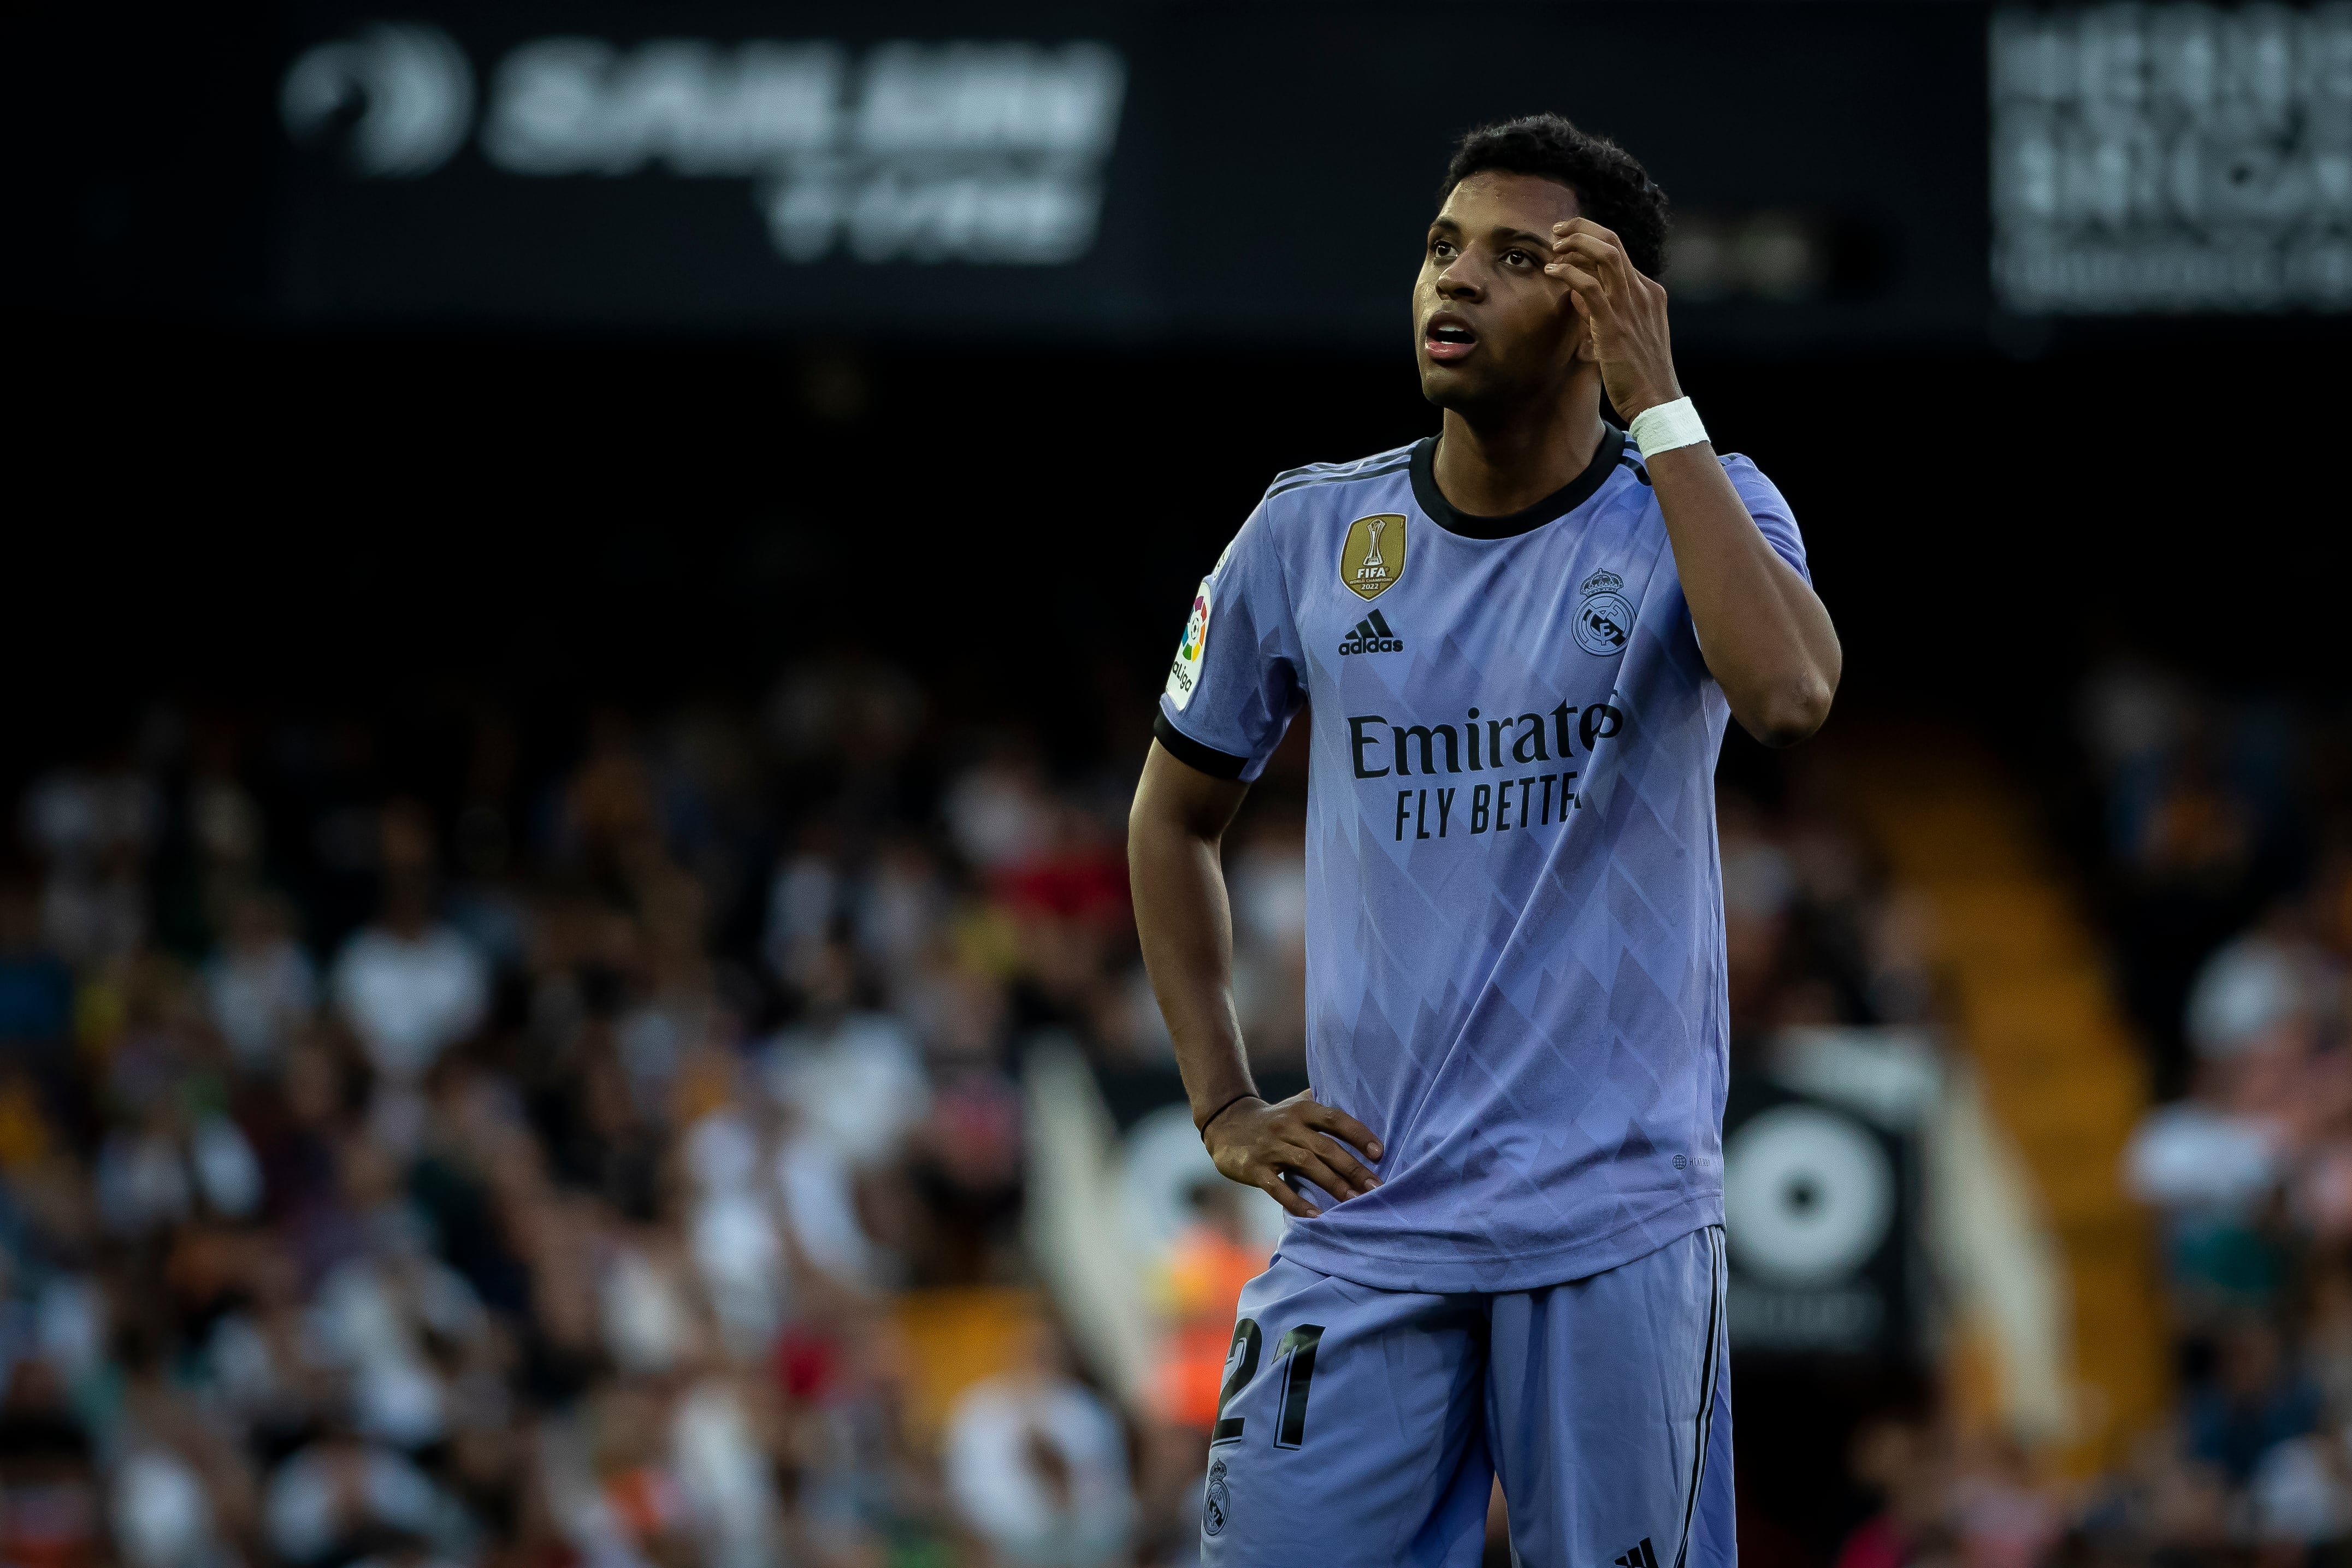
(1299, 1347)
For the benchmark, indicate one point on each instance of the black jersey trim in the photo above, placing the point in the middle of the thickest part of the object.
(1283, 486)
(1201, 759)
(1557, 504)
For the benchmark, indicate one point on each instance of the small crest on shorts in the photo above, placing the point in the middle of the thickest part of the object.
(1641, 1556)
(1221, 1498)
(1373, 556)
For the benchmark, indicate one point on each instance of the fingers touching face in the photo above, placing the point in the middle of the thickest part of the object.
(1592, 263)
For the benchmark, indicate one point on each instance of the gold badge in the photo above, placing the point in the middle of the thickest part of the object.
(1374, 558)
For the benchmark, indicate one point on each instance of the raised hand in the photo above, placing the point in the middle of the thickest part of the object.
(1624, 311)
(1254, 1142)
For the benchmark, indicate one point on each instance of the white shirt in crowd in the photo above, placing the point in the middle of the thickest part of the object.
(859, 1084)
(410, 999)
(2247, 990)
(1079, 1519)
(2192, 1157)
(260, 996)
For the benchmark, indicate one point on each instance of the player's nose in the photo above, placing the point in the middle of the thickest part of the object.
(1458, 281)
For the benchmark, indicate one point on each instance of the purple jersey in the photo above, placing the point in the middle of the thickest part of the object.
(1515, 949)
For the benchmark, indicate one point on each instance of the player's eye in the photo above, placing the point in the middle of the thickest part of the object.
(1517, 257)
(1439, 249)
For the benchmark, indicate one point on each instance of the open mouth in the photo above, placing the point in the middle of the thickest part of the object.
(1447, 338)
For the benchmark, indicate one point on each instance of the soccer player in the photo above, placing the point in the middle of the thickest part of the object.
(1520, 640)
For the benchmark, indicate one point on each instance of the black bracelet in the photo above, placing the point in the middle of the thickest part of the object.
(1245, 1094)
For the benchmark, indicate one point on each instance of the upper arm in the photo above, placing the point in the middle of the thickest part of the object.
(1175, 794)
(1770, 512)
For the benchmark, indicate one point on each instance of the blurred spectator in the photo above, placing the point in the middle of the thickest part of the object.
(1901, 1464)
(2210, 1165)
(409, 987)
(1947, 1497)
(853, 1076)
(36, 987)
(1813, 934)
(903, 909)
(152, 1176)
(339, 1498)
(2002, 1516)
(163, 1516)
(93, 832)
(998, 812)
(50, 1513)
(1198, 1290)
(805, 905)
(1037, 1466)
(2198, 831)
(2254, 1400)
(1267, 871)
(2262, 992)
(260, 986)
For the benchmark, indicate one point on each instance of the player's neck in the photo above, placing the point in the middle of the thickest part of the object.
(1490, 468)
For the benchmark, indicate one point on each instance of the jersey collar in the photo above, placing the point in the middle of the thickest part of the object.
(1559, 504)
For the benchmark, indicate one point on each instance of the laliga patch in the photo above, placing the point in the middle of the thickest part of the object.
(1372, 557)
(1184, 674)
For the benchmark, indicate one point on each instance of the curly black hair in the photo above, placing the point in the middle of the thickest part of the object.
(1611, 187)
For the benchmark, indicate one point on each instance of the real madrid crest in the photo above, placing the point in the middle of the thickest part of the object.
(1372, 557)
(1605, 619)
(1217, 1507)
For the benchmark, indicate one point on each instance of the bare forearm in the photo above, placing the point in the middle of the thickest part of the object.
(1185, 922)
(1767, 641)
(1766, 638)
(1172, 834)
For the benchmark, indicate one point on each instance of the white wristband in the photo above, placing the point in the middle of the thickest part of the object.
(1667, 426)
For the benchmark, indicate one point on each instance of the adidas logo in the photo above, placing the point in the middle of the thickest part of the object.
(1372, 636)
(1638, 1557)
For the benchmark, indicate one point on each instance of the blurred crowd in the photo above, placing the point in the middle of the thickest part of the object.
(433, 1140)
(1815, 935)
(440, 1140)
(2231, 852)
(2223, 851)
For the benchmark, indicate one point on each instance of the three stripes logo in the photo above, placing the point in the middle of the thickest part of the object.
(1371, 635)
(1638, 1557)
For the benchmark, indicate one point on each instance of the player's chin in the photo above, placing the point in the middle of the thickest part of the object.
(1450, 386)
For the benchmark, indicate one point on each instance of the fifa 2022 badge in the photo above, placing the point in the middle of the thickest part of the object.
(1373, 556)
(1605, 619)
(1213, 1512)
(1184, 674)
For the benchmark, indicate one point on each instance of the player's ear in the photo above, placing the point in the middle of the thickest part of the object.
(1588, 349)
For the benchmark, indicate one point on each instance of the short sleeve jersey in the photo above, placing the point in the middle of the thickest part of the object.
(1515, 939)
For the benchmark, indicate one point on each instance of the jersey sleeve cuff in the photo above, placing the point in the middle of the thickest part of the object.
(1201, 759)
